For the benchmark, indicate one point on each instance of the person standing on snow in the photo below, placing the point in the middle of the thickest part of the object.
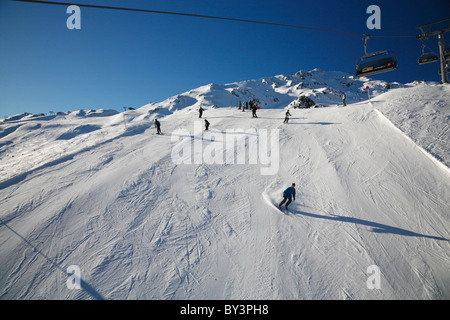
(206, 125)
(254, 108)
(343, 99)
(286, 117)
(288, 194)
(158, 126)
(200, 112)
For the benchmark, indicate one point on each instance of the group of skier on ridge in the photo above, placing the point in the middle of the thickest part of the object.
(252, 105)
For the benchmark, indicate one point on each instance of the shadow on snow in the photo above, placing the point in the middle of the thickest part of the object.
(376, 227)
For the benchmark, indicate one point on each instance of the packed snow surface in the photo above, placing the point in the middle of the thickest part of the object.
(99, 190)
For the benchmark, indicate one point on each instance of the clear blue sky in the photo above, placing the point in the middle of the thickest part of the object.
(128, 59)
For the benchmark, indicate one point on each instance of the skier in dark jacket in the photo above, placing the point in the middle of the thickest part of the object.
(254, 108)
(200, 112)
(158, 126)
(286, 117)
(206, 125)
(288, 194)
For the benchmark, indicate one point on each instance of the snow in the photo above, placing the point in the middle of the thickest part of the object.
(372, 183)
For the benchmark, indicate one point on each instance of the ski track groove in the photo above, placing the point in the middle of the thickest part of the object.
(154, 220)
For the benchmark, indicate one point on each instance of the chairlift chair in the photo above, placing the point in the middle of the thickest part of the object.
(375, 62)
(427, 57)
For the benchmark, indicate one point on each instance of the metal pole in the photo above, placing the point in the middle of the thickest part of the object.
(366, 37)
(444, 75)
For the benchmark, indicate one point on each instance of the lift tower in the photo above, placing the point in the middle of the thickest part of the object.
(438, 28)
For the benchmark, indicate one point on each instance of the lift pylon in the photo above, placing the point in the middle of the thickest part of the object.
(437, 28)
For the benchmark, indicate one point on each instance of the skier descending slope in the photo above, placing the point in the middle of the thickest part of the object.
(254, 108)
(158, 126)
(288, 194)
(286, 117)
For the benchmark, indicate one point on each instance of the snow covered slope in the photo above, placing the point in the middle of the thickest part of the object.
(372, 189)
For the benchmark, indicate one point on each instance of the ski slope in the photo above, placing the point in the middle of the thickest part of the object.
(372, 189)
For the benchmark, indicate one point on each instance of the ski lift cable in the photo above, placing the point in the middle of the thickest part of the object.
(207, 17)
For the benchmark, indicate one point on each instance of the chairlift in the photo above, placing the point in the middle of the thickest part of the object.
(375, 62)
(427, 57)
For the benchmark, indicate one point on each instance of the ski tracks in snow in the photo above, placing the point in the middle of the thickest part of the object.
(354, 204)
(142, 227)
